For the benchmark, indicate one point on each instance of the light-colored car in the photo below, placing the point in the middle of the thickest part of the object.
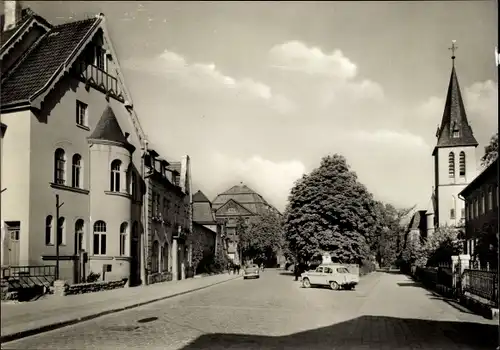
(251, 271)
(334, 275)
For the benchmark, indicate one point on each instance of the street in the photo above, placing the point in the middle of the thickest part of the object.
(386, 311)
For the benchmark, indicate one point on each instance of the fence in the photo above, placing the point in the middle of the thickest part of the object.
(450, 281)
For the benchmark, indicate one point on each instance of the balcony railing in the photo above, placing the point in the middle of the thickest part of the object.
(100, 80)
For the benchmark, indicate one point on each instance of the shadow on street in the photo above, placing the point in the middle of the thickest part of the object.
(410, 284)
(286, 273)
(368, 332)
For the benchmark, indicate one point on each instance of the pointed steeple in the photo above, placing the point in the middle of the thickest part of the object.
(455, 129)
(108, 129)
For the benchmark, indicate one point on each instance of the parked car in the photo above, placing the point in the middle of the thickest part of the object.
(251, 271)
(334, 275)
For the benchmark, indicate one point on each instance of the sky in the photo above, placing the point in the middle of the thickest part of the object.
(259, 92)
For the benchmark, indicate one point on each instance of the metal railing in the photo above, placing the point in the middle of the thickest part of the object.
(481, 283)
(28, 276)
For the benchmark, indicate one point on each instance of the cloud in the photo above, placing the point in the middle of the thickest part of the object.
(296, 56)
(273, 180)
(206, 78)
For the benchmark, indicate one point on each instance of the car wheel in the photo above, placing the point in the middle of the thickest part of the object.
(334, 285)
(244, 277)
(306, 283)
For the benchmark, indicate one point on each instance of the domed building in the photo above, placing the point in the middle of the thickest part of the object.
(239, 201)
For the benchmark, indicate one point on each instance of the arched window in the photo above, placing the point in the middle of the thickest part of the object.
(123, 238)
(76, 175)
(78, 236)
(451, 164)
(133, 185)
(453, 208)
(60, 167)
(100, 238)
(462, 163)
(61, 230)
(48, 230)
(154, 257)
(116, 166)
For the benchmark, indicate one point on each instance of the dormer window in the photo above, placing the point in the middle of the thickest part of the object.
(456, 134)
(100, 58)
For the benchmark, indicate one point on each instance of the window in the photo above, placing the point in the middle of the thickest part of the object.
(452, 214)
(462, 163)
(76, 164)
(476, 211)
(319, 269)
(165, 257)
(81, 113)
(154, 205)
(61, 228)
(154, 257)
(59, 167)
(100, 58)
(462, 213)
(490, 198)
(483, 202)
(133, 185)
(165, 207)
(451, 164)
(115, 175)
(123, 238)
(48, 230)
(78, 236)
(456, 133)
(158, 203)
(327, 270)
(100, 238)
(342, 270)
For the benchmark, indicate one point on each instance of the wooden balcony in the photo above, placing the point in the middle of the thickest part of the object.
(100, 80)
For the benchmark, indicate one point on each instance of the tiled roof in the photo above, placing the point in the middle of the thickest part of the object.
(43, 60)
(108, 129)
(202, 213)
(245, 196)
(455, 118)
(200, 197)
(26, 14)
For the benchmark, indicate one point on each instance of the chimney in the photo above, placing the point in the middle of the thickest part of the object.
(12, 14)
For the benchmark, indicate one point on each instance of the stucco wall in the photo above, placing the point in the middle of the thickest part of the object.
(448, 187)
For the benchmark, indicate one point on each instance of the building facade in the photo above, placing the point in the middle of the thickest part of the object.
(168, 218)
(239, 201)
(481, 214)
(73, 133)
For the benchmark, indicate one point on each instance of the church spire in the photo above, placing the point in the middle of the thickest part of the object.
(455, 129)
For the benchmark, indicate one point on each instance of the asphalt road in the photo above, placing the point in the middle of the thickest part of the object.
(273, 312)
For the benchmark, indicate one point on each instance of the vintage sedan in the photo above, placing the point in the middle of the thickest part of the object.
(251, 271)
(334, 275)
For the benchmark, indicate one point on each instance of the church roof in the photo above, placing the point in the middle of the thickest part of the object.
(245, 196)
(108, 129)
(199, 197)
(454, 119)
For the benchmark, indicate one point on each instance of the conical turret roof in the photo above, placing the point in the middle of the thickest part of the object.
(108, 129)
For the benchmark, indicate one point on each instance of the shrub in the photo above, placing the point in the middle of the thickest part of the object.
(92, 277)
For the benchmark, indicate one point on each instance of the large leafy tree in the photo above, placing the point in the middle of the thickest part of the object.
(329, 210)
(490, 151)
(262, 237)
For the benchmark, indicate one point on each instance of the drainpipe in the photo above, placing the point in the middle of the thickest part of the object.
(144, 234)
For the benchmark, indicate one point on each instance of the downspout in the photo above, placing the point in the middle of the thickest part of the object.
(145, 202)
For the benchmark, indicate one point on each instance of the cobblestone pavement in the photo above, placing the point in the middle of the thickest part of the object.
(386, 311)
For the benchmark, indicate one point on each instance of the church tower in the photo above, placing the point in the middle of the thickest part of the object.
(454, 156)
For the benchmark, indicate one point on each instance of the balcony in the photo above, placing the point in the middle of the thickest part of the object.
(100, 80)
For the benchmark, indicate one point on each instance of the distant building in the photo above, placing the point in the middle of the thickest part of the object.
(417, 227)
(239, 201)
(481, 203)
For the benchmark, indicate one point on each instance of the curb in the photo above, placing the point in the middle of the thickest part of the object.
(30, 332)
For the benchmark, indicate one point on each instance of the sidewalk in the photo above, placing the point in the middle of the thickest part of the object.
(25, 319)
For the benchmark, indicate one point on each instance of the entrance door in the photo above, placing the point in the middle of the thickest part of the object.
(13, 230)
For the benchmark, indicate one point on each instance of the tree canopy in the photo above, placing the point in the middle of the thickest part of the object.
(330, 210)
(490, 151)
(262, 237)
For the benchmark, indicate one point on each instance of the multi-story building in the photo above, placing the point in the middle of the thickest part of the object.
(168, 193)
(239, 201)
(481, 213)
(205, 227)
(73, 134)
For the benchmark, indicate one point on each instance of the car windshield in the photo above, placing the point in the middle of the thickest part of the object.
(342, 270)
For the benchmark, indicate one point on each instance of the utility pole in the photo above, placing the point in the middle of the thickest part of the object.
(58, 206)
